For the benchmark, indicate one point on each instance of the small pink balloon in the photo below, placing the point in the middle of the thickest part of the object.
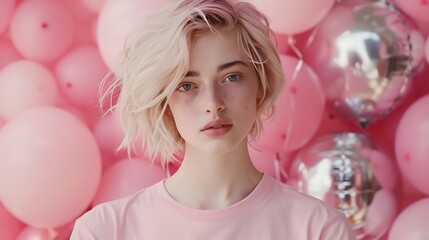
(108, 132)
(50, 167)
(417, 9)
(412, 222)
(80, 73)
(412, 147)
(93, 5)
(299, 110)
(282, 44)
(25, 84)
(381, 214)
(291, 16)
(2, 122)
(63, 232)
(115, 22)
(42, 29)
(423, 27)
(7, 7)
(332, 123)
(10, 227)
(8, 52)
(32, 233)
(383, 168)
(127, 177)
(418, 47)
(265, 161)
(427, 50)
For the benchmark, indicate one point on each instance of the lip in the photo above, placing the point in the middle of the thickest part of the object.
(217, 127)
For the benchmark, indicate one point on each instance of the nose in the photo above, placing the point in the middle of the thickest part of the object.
(213, 100)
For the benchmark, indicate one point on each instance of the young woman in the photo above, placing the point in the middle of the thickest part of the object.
(195, 80)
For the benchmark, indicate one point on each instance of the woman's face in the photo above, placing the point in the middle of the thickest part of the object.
(214, 106)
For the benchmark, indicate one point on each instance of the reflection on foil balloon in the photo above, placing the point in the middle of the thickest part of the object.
(362, 54)
(342, 169)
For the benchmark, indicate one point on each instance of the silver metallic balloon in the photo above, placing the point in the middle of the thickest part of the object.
(336, 168)
(362, 54)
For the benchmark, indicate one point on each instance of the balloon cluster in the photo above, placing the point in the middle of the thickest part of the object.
(350, 127)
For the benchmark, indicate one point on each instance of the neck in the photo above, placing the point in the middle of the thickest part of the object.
(211, 181)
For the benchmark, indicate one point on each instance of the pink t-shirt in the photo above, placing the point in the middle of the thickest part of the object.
(272, 211)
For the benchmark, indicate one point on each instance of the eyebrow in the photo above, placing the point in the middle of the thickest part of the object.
(219, 68)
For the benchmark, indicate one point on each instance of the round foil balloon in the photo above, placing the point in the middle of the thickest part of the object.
(362, 54)
(346, 171)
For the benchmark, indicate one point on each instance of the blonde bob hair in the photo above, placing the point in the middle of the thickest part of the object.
(156, 58)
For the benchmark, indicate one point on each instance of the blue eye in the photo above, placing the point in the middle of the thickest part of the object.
(233, 77)
(185, 87)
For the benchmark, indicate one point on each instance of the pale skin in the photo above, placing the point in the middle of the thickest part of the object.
(221, 90)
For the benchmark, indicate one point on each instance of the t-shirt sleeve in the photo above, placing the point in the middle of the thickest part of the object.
(93, 225)
(338, 228)
(81, 232)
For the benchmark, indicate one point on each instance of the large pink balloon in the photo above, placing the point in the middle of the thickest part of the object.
(7, 7)
(299, 110)
(9, 225)
(50, 167)
(115, 22)
(412, 222)
(412, 145)
(293, 16)
(80, 73)
(127, 177)
(42, 29)
(25, 84)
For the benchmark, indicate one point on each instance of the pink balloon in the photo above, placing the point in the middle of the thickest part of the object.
(291, 16)
(25, 84)
(93, 5)
(115, 22)
(42, 29)
(2, 122)
(418, 47)
(80, 73)
(383, 168)
(417, 9)
(108, 132)
(10, 227)
(32, 233)
(331, 123)
(63, 232)
(8, 52)
(282, 44)
(423, 27)
(299, 110)
(427, 50)
(7, 7)
(412, 222)
(412, 147)
(127, 177)
(50, 167)
(381, 214)
(266, 162)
